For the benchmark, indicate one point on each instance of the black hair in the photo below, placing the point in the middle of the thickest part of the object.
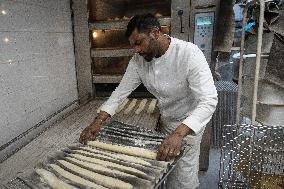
(143, 23)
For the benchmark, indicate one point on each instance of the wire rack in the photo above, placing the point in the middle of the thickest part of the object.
(252, 157)
(225, 113)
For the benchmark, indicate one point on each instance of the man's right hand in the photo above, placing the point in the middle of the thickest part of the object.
(90, 132)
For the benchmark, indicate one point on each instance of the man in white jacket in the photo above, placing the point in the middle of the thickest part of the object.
(177, 74)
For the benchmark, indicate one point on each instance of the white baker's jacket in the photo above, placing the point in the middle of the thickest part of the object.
(180, 80)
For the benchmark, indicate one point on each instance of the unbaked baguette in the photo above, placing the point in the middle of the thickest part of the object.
(152, 106)
(123, 157)
(106, 163)
(141, 106)
(75, 178)
(98, 167)
(136, 181)
(129, 150)
(102, 179)
(131, 106)
(52, 180)
(122, 105)
(95, 155)
(151, 171)
(99, 155)
(118, 156)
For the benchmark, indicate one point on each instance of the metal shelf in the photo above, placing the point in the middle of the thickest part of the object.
(111, 52)
(121, 24)
(107, 78)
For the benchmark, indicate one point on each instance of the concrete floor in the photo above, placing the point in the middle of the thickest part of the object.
(209, 179)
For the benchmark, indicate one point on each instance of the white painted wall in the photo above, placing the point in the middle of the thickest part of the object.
(37, 64)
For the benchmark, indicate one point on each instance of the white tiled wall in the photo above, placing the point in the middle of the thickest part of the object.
(37, 64)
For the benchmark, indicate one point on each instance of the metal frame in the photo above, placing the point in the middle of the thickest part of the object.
(258, 58)
(257, 67)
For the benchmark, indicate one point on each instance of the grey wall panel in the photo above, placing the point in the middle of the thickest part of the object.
(37, 63)
(28, 16)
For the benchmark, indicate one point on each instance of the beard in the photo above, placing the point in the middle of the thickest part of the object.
(153, 50)
(148, 57)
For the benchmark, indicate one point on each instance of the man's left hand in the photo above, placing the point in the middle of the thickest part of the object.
(172, 144)
(170, 147)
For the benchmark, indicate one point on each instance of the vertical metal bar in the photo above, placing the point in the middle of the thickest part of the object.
(256, 77)
(221, 169)
(251, 149)
(258, 57)
(218, 123)
(221, 118)
(232, 176)
(240, 80)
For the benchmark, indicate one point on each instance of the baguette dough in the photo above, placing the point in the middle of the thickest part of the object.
(122, 105)
(141, 106)
(99, 167)
(124, 157)
(106, 163)
(152, 106)
(104, 180)
(98, 155)
(75, 178)
(52, 180)
(131, 106)
(129, 150)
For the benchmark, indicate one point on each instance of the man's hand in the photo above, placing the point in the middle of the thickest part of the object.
(170, 147)
(90, 132)
(172, 144)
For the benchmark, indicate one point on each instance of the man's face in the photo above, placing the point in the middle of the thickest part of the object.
(145, 44)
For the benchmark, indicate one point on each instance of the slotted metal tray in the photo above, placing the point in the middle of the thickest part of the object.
(112, 132)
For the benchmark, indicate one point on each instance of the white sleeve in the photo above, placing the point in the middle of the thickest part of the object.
(129, 83)
(202, 85)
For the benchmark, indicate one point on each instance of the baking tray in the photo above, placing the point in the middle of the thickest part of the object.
(127, 135)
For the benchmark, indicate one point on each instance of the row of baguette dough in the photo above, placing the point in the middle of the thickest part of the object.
(80, 159)
(118, 156)
(129, 150)
(93, 163)
(132, 104)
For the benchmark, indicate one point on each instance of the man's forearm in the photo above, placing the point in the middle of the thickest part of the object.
(183, 130)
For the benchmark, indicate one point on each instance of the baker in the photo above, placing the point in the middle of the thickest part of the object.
(178, 75)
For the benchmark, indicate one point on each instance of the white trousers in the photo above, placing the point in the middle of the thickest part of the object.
(185, 174)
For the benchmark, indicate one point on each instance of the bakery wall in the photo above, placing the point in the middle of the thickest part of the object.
(37, 68)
